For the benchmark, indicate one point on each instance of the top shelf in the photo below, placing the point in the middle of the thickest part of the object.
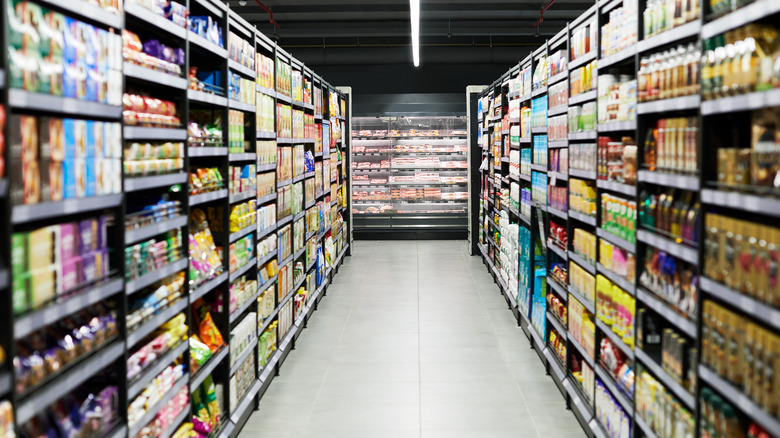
(88, 11)
(161, 23)
(740, 17)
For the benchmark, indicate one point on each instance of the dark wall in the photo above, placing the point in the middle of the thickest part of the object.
(406, 90)
(433, 78)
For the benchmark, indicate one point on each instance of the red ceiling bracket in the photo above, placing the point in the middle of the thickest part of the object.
(270, 13)
(541, 13)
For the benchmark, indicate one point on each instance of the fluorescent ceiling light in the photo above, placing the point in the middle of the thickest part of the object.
(414, 12)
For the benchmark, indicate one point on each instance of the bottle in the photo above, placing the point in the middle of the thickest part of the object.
(707, 66)
(649, 149)
(692, 67)
(641, 77)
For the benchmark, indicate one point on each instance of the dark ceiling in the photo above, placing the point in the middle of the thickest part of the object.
(370, 32)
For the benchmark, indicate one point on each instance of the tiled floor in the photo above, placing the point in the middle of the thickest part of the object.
(412, 340)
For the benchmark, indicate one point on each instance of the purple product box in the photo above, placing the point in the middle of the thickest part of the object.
(69, 275)
(102, 233)
(87, 239)
(89, 267)
(66, 242)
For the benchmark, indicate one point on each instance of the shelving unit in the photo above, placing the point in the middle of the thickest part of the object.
(128, 266)
(716, 123)
(409, 176)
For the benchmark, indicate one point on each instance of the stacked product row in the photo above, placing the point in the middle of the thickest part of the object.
(187, 138)
(639, 166)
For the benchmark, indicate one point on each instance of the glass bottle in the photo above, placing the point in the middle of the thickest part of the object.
(707, 60)
(642, 89)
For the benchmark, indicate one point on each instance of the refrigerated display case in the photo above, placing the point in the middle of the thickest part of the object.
(410, 176)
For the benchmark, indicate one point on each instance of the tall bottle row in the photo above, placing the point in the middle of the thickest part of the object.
(629, 206)
(126, 129)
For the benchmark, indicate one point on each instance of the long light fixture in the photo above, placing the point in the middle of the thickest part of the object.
(414, 12)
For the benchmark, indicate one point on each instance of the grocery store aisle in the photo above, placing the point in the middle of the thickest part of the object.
(412, 340)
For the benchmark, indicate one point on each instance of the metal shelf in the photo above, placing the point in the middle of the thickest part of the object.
(245, 402)
(618, 280)
(207, 287)
(28, 213)
(207, 45)
(238, 197)
(584, 174)
(587, 304)
(742, 16)
(743, 102)
(680, 393)
(557, 324)
(584, 264)
(154, 76)
(558, 250)
(152, 371)
(684, 182)
(241, 106)
(555, 365)
(206, 151)
(266, 135)
(615, 338)
(539, 91)
(209, 98)
(739, 201)
(161, 23)
(68, 381)
(88, 11)
(155, 322)
(243, 269)
(615, 240)
(563, 294)
(174, 425)
(662, 308)
(149, 231)
(683, 103)
(554, 144)
(583, 97)
(141, 282)
(239, 68)
(584, 59)
(21, 99)
(746, 304)
(242, 232)
(236, 315)
(588, 358)
(266, 91)
(679, 250)
(621, 57)
(584, 135)
(208, 197)
(40, 318)
(138, 183)
(629, 125)
(625, 189)
(609, 382)
(558, 213)
(687, 30)
(209, 367)
(146, 133)
(560, 109)
(244, 355)
(266, 198)
(558, 77)
(647, 431)
(154, 410)
(742, 402)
